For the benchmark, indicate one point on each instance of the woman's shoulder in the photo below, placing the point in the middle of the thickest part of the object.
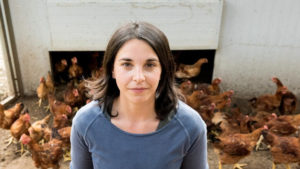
(189, 118)
(86, 114)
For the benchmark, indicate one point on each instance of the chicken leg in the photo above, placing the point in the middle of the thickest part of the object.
(9, 141)
(220, 165)
(238, 166)
(47, 107)
(259, 142)
(40, 102)
(22, 150)
(67, 156)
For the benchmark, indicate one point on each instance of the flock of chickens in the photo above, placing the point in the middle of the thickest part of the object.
(49, 143)
(232, 133)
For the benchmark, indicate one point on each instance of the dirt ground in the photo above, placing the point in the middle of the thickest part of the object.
(11, 159)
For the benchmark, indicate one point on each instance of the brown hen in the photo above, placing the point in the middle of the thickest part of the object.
(284, 150)
(9, 116)
(47, 155)
(232, 148)
(189, 71)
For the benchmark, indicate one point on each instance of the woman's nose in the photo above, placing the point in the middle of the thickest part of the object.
(138, 75)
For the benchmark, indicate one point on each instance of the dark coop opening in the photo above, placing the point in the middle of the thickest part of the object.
(91, 60)
(88, 60)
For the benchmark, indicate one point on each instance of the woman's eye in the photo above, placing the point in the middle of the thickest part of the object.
(150, 65)
(126, 64)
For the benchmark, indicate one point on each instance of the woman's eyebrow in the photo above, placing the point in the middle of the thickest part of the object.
(152, 60)
(148, 60)
(125, 59)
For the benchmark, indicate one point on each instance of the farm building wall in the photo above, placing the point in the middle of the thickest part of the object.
(254, 39)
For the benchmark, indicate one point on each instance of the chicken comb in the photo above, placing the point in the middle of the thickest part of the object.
(64, 61)
(274, 78)
(217, 80)
(74, 59)
(42, 79)
(274, 115)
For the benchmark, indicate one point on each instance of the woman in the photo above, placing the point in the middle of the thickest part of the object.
(136, 120)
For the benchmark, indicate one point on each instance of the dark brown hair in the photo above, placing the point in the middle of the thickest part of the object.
(105, 89)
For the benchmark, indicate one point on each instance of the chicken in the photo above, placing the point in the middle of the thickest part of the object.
(198, 99)
(186, 87)
(75, 71)
(10, 115)
(214, 88)
(284, 150)
(281, 126)
(238, 120)
(38, 128)
(61, 70)
(293, 119)
(194, 99)
(58, 107)
(232, 148)
(288, 100)
(189, 71)
(47, 155)
(207, 113)
(65, 134)
(61, 66)
(288, 103)
(268, 102)
(260, 119)
(278, 83)
(222, 100)
(231, 125)
(19, 127)
(42, 90)
(72, 96)
(60, 121)
(50, 83)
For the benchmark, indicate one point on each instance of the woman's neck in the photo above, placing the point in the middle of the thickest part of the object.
(133, 111)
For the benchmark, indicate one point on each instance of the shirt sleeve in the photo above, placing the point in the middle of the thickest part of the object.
(81, 157)
(196, 157)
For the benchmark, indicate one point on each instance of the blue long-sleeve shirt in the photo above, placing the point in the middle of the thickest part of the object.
(97, 143)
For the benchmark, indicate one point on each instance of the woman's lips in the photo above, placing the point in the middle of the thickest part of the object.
(138, 90)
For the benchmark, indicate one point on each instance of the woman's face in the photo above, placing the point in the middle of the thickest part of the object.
(137, 71)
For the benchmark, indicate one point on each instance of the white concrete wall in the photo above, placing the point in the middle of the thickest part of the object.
(88, 25)
(259, 39)
(41, 26)
(31, 29)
